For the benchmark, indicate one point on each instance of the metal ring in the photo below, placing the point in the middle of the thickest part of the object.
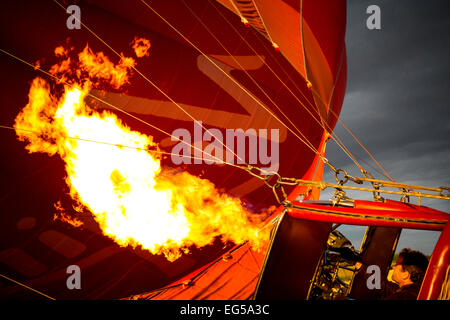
(341, 182)
(266, 180)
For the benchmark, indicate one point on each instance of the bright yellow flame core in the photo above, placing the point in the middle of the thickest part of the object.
(133, 200)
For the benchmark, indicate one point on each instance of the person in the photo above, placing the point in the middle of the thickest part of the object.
(408, 273)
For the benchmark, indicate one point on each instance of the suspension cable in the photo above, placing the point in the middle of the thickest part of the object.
(26, 287)
(119, 145)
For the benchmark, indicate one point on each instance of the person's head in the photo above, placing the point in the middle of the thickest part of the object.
(410, 267)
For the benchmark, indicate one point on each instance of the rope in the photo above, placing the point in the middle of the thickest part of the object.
(103, 142)
(370, 165)
(359, 142)
(26, 287)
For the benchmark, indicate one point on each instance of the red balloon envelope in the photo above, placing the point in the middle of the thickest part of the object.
(281, 80)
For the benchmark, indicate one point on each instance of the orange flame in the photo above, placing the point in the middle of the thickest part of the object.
(100, 67)
(141, 47)
(92, 68)
(60, 51)
(133, 199)
(64, 217)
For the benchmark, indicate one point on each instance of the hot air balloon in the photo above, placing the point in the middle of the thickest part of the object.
(233, 93)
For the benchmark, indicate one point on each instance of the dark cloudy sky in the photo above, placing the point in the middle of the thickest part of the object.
(398, 98)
